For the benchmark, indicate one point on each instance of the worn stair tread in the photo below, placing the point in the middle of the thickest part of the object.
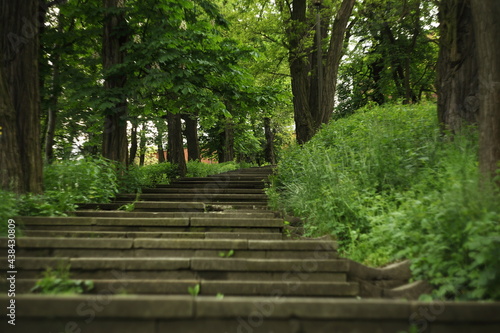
(284, 245)
(203, 190)
(153, 234)
(102, 221)
(216, 221)
(207, 287)
(168, 307)
(97, 213)
(195, 264)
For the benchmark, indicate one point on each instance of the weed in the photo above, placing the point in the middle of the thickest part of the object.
(57, 281)
(194, 291)
(227, 254)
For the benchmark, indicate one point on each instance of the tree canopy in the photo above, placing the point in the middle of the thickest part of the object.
(226, 79)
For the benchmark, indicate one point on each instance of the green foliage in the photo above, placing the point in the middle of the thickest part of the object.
(58, 281)
(392, 54)
(227, 254)
(199, 169)
(194, 291)
(134, 177)
(8, 209)
(389, 187)
(69, 182)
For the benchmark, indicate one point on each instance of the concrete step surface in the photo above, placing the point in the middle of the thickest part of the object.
(155, 314)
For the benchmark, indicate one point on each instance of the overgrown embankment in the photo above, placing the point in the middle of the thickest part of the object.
(388, 186)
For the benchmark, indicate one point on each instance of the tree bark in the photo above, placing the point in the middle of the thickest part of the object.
(333, 57)
(458, 81)
(133, 142)
(175, 153)
(309, 113)
(191, 134)
(297, 33)
(486, 15)
(159, 143)
(142, 146)
(269, 153)
(229, 141)
(20, 145)
(115, 145)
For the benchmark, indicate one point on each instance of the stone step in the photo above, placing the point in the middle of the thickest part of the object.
(239, 214)
(171, 248)
(147, 206)
(146, 234)
(194, 197)
(201, 184)
(186, 314)
(206, 189)
(224, 178)
(211, 288)
(232, 269)
(199, 224)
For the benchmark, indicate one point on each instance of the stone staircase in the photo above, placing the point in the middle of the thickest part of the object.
(206, 255)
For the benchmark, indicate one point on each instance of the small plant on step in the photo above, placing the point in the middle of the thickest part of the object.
(57, 281)
(194, 291)
(128, 207)
(227, 254)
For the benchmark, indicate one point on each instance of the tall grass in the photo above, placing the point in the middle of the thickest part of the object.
(388, 186)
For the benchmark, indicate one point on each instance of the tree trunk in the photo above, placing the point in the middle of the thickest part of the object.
(229, 141)
(52, 111)
(191, 134)
(333, 57)
(142, 146)
(309, 113)
(297, 34)
(133, 142)
(159, 143)
(458, 81)
(487, 29)
(115, 146)
(175, 153)
(20, 145)
(270, 156)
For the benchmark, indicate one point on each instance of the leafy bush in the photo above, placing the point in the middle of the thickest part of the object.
(199, 169)
(160, 173)
(388, 187)
(69, 182)
(8, 209)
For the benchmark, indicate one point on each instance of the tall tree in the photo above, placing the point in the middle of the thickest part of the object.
(175, 153)
(115, 35)
(314, 82)
(487, 29)
(191, 134)
(458, 80)
(20, 146)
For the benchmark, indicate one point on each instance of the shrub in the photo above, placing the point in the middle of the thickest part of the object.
(8, 209)
(199, 169)
(389, 187)
(69, 182)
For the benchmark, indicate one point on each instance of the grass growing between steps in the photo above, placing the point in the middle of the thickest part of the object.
(387, 186)
(57, 281)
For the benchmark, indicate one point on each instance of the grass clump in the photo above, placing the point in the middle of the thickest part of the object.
(57, 281)
(388, 186)
(199, 169)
